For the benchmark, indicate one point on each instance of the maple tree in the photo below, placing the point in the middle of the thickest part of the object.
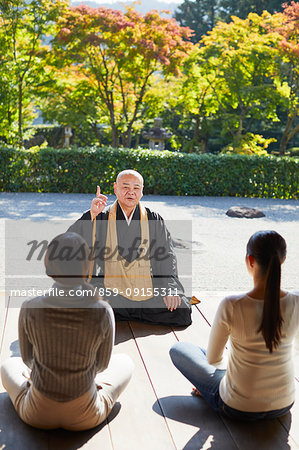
(196, 100)
(200, 15)
(244, 75)
(236, 61)
(23, 26)
(241, 8)
(286, 25)
(70, 101)
(119, 55)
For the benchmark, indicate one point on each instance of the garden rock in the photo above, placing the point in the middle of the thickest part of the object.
(242, 211)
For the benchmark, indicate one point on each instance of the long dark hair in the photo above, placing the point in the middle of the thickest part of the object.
(269, 250)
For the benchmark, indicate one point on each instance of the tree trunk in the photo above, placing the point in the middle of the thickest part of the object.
(137, 141)
(283, 144)
(9, 117)
(206, 142)
(212, 4)
(240, 128)
(287, 135)
(97, 133)
(128, 137)
(114, 136)
(110, 105)
(128, 133)
(196, 128)
(238, 134)
(20, 119)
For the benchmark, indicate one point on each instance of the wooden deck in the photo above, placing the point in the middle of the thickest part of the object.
(156, 411)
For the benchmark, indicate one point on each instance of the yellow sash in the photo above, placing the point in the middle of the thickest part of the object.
(131, 280)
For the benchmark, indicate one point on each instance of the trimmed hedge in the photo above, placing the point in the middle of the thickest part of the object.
(167, 173)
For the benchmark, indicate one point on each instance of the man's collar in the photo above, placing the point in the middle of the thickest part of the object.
(128, 220)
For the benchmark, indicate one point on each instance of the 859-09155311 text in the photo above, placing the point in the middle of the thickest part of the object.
(101, 291)
(137, 292)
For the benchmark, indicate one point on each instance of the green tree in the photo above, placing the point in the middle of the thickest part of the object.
(23, 24)
(8, 97)
(197, 101)
(199, 15)
(286, 25)
(119, 55)
(70, 100)
(241, 8)
(202, 15)
(238, 61)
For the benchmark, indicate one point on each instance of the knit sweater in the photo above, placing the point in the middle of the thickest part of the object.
(255, 380)
(65, 340)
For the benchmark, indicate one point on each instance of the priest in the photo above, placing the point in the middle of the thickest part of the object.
(132, 261)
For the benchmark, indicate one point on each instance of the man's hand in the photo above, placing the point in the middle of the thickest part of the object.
(172, 301)
(98, 204)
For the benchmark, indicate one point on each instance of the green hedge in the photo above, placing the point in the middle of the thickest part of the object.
(167, 173)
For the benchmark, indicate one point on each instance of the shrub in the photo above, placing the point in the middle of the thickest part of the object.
(165, 173)
(249, 144)
(294, 151)
(52, 134)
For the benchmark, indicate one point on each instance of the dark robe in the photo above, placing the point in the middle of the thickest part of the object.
(162, 261)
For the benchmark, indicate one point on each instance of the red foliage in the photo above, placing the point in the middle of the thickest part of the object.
(151, 36)
(64, 33)
(290, 28)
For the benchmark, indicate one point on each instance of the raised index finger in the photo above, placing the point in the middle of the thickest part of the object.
(98, 191)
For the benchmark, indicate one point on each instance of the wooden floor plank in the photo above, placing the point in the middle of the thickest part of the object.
(291, 420)
(137, 426)
(198, 332)
(296, 356)
(2, 316)
(192, 423)
(18, 435)
(15, 434)
(209, 304)
(262, 435)
(10, 345)
(94, 439)
(137, 421)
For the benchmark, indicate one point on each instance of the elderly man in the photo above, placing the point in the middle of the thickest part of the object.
(133, 262)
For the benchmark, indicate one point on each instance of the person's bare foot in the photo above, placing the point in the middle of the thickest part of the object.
(196, 392)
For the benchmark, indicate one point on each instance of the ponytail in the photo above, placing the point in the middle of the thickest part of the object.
(269, 250)
(272, 319)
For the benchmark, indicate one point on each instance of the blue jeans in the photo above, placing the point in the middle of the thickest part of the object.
(192, 362)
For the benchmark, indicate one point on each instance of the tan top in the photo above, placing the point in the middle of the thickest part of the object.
(255, 380)
(65, 340)
(132, 280)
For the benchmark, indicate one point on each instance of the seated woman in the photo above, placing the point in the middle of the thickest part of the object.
(258, 382)
(66, 341)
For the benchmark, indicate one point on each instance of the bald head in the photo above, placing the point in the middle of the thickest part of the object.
(128, 189)
(130, 172)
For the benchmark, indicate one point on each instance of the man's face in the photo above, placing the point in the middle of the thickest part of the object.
(128, 191)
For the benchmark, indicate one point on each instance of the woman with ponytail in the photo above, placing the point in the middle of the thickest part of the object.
(258, 380)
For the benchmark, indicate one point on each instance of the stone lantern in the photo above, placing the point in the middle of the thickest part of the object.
(157, 135)
(67, 136)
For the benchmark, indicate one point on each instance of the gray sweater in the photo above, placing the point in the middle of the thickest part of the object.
(65, 340)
